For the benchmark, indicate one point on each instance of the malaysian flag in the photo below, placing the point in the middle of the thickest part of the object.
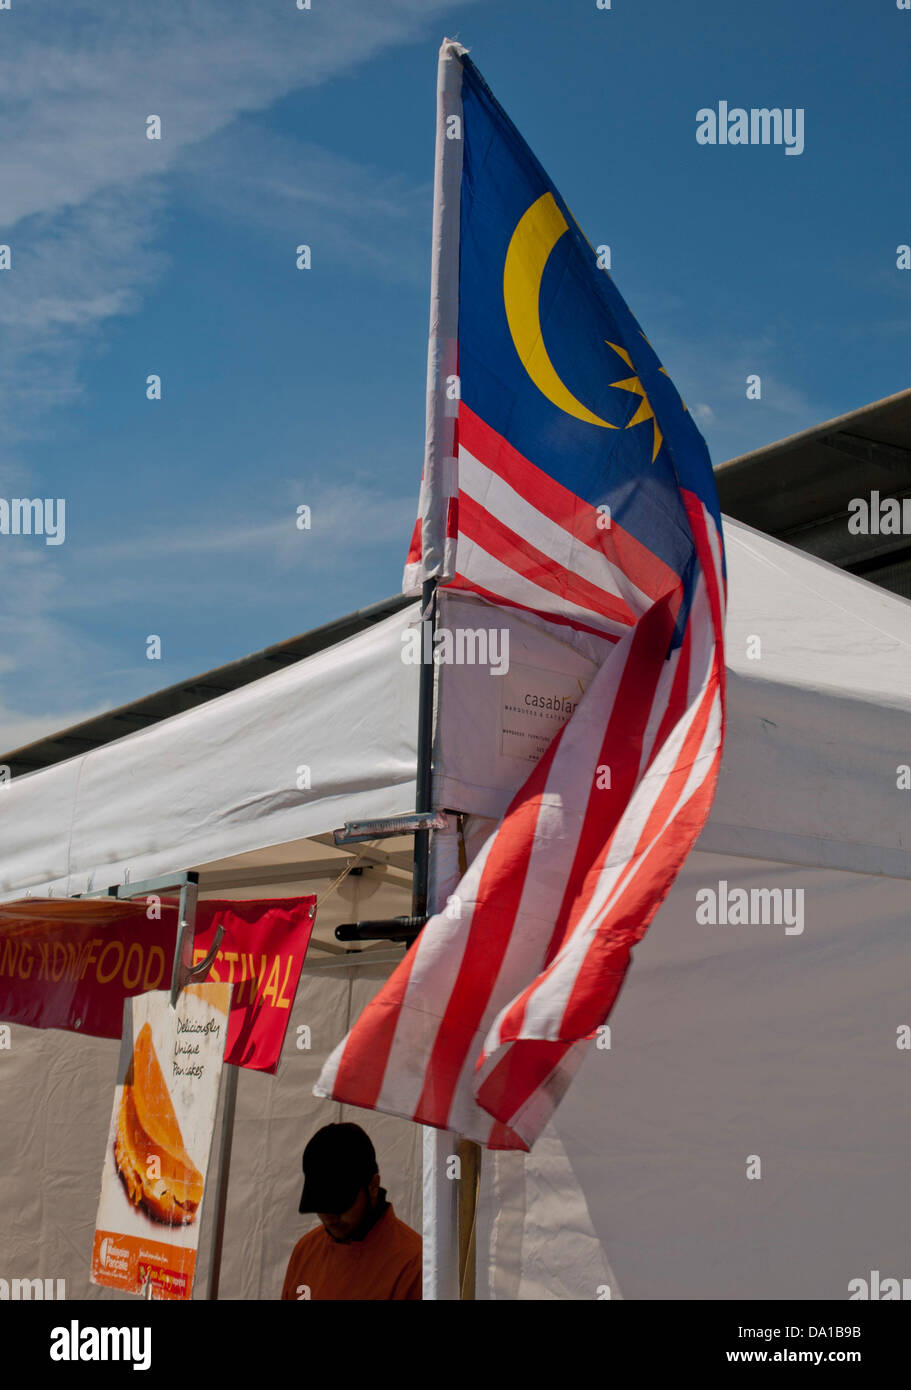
(563, 477)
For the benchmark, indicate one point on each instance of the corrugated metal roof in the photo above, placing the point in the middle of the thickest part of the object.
(798, 489)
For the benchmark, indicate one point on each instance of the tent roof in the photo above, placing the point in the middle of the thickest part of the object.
(817, 724)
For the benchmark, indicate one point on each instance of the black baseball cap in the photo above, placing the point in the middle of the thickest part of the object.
(338, 1161)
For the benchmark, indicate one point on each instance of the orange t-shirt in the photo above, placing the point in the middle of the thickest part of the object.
(385, 1264)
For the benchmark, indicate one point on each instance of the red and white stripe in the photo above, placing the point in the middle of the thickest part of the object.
(484, 1023)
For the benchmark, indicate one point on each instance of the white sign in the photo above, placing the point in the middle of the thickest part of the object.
(534, 705)
(157, 1154)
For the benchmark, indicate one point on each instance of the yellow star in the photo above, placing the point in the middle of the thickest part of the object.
(645, 411)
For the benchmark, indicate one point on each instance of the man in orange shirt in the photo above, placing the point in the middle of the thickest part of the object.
(361, 1250)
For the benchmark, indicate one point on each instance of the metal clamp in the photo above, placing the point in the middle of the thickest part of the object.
(199, 972)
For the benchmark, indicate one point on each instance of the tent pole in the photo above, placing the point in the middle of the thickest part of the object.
(469, 1181)
(469, 1169)
(438, 486)
(442, 1203)
(224, 1170)
(423, 782)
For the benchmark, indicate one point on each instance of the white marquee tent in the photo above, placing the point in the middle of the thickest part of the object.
(729, 1043)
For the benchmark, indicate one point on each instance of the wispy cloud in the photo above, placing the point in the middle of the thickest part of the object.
(76, 98)
(47, 661)
(84, 190)
(363, 217)
(85, 197)
(342, 519)
(71, 273)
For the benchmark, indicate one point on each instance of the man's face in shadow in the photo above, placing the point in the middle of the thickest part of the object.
(342, 1225)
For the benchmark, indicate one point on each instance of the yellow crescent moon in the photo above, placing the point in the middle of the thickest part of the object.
(537, 233)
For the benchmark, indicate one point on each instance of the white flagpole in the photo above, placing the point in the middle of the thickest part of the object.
(440, 1210)
(442, 347)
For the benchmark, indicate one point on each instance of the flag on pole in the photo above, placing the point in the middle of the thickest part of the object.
(564, 478)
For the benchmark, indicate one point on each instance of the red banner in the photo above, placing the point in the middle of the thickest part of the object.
(71, 963)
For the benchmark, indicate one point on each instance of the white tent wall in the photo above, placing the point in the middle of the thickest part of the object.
(729, 1041)
(535, 1234)
(57, 1092)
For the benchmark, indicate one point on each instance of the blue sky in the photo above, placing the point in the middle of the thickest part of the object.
(283, 387)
